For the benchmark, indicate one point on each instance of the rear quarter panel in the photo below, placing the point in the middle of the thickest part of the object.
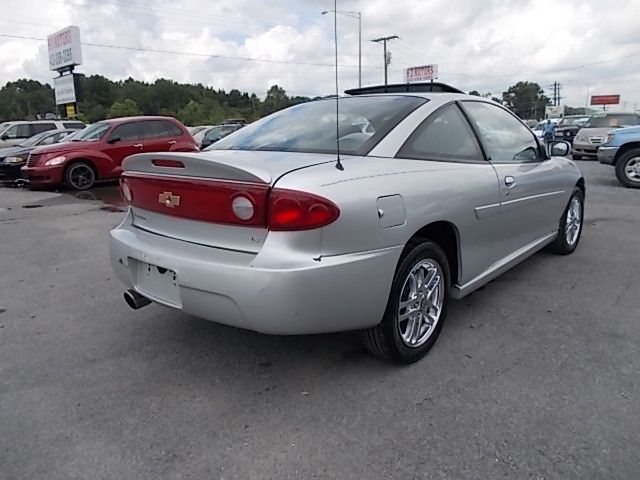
(430, 191)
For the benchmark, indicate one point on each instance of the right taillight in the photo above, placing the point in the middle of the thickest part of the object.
(293, 210)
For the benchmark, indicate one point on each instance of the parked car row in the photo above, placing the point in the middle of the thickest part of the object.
(80, 158)
(13, 133)
(611, 137)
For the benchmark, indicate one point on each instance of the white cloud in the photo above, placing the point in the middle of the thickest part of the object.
(482, 45)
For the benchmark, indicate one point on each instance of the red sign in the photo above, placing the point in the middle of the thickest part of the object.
(605, 99)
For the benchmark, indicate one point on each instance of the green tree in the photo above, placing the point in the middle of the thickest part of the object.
(475, 93)
(526, 99)
(191, 114)
(126, 108)
(275, 100)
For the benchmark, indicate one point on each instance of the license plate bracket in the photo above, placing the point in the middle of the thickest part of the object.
(159, 284)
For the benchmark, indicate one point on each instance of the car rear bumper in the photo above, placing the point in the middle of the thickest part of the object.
(585, 149)
(302, 296)
(607, 155)
(43, 175)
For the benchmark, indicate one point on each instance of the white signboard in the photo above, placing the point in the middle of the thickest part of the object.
(423, 73)
(64, 89)
(554, 111)
(64, 48)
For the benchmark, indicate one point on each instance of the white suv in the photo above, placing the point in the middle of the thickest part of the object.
(12, 133)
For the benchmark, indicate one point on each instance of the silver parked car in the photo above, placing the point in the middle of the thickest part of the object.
(272, 231)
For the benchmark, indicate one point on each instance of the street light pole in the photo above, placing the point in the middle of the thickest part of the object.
(384, 41)
(358, 16)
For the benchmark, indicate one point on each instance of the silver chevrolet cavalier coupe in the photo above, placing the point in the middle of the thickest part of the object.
(432, 194)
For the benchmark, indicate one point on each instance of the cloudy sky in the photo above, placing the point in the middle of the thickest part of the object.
(589, 46)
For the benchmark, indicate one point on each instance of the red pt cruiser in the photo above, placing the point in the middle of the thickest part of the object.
(97, 153)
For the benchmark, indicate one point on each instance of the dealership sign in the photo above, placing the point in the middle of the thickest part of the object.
(64, 90)
(64, 48)
(605, 99)
(421, 74)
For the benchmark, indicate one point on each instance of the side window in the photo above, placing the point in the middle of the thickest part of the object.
(505, 138)
(49, 139)
(159, 129)
(126, 132)
(41, 127)
(446, 134)
(18, 131)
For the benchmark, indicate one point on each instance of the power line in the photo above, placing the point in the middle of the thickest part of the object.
(192, 54)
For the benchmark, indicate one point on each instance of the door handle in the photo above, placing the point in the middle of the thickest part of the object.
(509, 181)
(173, 142)
(137, 145)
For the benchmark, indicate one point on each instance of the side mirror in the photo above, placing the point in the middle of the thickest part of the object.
(4, 137)
(113, 140)
(558, 149)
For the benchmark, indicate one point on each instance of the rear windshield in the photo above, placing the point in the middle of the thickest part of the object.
(311, 127)
(612, 120)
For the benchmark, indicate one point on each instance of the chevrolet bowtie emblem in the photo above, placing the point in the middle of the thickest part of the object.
(168, 199)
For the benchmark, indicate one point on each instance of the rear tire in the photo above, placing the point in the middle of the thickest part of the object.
(570, 228)
(417, 305)
(628, 168)
(80, 176)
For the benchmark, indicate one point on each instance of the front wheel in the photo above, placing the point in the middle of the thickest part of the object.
(417, 305)
(570, 227)
(628, 168)
(80, 176)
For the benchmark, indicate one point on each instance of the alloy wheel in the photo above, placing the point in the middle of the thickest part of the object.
(81, 176)
(632, 169)
(421, 300)
(573, 221)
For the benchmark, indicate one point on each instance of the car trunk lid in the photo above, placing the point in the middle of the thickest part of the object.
(190, 196)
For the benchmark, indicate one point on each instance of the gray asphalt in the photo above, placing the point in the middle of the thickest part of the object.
(537, 375)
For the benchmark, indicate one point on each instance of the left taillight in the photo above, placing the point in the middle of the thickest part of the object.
(290, 210)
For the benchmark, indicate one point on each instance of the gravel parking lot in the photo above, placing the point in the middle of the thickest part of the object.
(537, 375)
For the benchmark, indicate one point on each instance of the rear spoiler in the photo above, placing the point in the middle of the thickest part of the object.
(433, 87)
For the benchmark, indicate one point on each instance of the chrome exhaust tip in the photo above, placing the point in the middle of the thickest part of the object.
(135, 300)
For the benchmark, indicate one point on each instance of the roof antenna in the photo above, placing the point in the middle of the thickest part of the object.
(335, 38)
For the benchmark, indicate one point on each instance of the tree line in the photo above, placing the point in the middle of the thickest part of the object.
(196, 104)
(99, 98)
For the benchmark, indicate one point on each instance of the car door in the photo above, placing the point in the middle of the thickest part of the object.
(122, 141)
(159, 135)
(532, 190)
(471, 186)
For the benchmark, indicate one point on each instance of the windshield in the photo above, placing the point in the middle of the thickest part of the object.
(311, 127)
(92, 133)
(612, 120)
(35, 140)
(72, 136)
(216, 133)
(573, 121)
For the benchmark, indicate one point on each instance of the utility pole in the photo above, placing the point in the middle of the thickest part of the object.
(387, 60)
(556, 93)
